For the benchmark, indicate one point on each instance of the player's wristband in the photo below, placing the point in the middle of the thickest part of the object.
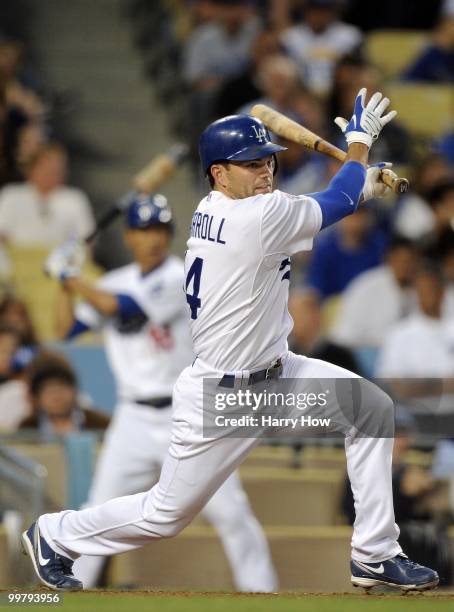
(361, 137)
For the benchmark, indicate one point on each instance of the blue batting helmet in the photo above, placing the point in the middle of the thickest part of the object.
(235, 138)
(146, 210)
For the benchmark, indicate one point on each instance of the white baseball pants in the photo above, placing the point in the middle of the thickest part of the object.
(131, 459)
(194, 468)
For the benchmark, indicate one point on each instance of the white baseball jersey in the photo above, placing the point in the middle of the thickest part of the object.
(146, 352)
(237, 275)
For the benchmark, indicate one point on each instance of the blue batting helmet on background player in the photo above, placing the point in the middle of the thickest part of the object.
(235, 138)
(143, 211)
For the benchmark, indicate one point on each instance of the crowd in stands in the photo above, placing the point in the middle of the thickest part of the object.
(39, 389)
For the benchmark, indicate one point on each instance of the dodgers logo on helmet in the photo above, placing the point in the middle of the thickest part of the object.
(146, 210)
(235, 138)
(260, 133)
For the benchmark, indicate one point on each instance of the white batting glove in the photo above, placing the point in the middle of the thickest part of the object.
(367, 121)
(373, 186)
(66, 260)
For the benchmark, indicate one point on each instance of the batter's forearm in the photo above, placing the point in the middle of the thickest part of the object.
(358, 152)
(341, 197)
(104, 302)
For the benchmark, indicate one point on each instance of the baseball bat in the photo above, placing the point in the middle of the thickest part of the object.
(159, 170)
(291, 130)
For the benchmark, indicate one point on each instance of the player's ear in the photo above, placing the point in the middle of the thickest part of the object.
(218, 174)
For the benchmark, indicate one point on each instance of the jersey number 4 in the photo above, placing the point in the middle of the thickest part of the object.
(194, 274)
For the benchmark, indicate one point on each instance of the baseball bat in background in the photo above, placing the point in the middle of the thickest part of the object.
(157, 172)
(285, 127)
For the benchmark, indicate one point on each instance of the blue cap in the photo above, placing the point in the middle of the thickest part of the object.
(235, 138)
(147, 210)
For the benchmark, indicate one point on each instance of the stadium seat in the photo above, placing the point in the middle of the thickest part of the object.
(327, 457)
(391, 51)
(69, 468)
(52, 457)
(271, 456)
(93, 372)
(311, 495)
(39, 292)
(426, 110)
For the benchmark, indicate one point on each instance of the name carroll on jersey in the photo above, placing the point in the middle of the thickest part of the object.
(205, 226)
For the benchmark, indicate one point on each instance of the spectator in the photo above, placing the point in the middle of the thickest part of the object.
(44, 211)
(16, 93)
(319, 41)
(220, 49)
(441, 236)
(446, 147)
(280, 13)
(307, 338)
(12, 121)
(31, 137)
(350, 74)
(9, 343)
(419, 350)
(301, 171)
(282, 89)
(353, 246)
(447, 267)
(436, 63)
(54, 397)
(437, 244)
(202, 11)
(19, 106)
(14, 312)
(14, 404)
(448, 8)
(215, 52)
(378, 298)
(420, 346)
(241, 89)
(414, 216)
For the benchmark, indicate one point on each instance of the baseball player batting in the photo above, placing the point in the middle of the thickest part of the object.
(237, 293)
(141, 310)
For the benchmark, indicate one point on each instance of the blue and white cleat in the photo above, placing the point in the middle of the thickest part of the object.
(398, 572)
(53, 570)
